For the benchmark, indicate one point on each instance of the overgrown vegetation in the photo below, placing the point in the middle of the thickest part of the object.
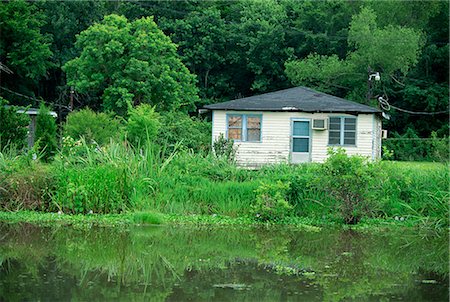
(140, 149)
(45, 140)
(95, 127)
(13, 126)
(410, 147)
(344, 189)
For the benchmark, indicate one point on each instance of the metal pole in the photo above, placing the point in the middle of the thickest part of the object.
(71, 98)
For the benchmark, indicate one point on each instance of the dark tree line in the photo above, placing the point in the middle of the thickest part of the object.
(235, 49)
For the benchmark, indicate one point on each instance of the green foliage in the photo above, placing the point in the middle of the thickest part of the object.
(142, 125)
(263, 23)
(348, 179)
(326, 73)
(224, 148)
(179, 129)
(271, 203)
(390, 49)
(97, 127)
(29, 187)
(387, 154)
(185, 183)
(23, 48)
(415, 190)
(410, 147)
(13, 126)
(78, 189)
(129, 63)
(148, 218)
(45, 139)
(202, 38)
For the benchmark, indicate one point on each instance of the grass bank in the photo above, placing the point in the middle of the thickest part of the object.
(118, 179)
(150, 218)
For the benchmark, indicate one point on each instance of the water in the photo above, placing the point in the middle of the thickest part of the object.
(220, 264)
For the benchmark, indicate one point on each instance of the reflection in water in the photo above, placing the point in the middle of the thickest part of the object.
(222, 264)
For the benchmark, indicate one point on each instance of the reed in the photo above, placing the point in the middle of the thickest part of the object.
(119, 178)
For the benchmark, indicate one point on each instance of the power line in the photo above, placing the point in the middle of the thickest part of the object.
(33, 98)
(384, 104)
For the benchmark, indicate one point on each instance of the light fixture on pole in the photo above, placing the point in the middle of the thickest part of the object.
(375, 76)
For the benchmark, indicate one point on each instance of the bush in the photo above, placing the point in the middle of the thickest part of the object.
(97, 127)
(180, 128)
(224, 148)
(348, 179)
(410, 147)
(143, 124)
(26, 189)
(46, 142)
(13, 126)
(270, 203)
(101, 188)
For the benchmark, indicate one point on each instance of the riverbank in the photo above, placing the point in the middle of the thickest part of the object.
(118, 179)
(151, 218)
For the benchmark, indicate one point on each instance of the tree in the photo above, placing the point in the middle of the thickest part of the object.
(13, 126)
(23, 48)
(99, 127)
(202, 37)
(260, 33)
(46, 133)
(129, 63)
(143, 125)
(389, 50)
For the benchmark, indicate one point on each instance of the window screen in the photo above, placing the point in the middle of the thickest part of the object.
(342, 131)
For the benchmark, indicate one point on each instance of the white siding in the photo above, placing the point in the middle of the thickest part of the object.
(276, 137)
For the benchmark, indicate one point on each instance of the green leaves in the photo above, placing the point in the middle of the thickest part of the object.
(128, 63)
(142, 125)
(46, 133)
(389, 50)
(13, 126)
(23, 48)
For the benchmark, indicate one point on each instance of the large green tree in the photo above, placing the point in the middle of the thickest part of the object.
(23, 48)
(389, 50)
(127, 63)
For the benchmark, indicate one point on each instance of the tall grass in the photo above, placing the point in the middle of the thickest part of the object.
(120, 178)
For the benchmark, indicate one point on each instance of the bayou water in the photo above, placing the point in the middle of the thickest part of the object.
(168, 263)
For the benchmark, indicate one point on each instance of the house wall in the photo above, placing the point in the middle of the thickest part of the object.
(276, 137)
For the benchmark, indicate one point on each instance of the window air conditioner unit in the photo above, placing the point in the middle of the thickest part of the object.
(319, 124)
(383, 133)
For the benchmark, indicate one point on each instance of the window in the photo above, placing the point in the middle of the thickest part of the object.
(244, 127)
(342, 131)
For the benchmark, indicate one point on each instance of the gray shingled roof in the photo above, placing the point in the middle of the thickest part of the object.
(294, 99)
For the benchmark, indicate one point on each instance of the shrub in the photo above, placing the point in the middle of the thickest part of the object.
(13, 126)
(98, 127)
(440, 146)
(224, 148)
(46, 133)
(143, 124)
(270, 203)
(101, 188)
(410, 147)
(348, 179)
(28, 188)
(180, 128)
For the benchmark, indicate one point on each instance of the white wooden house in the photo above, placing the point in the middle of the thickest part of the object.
(296, 125)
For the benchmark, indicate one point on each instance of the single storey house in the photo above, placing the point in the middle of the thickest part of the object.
(296, 125)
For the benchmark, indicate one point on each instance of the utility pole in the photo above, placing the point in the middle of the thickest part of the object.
(371, 75)
(71, 98)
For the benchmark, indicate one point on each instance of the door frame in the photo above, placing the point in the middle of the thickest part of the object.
(291, 139)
